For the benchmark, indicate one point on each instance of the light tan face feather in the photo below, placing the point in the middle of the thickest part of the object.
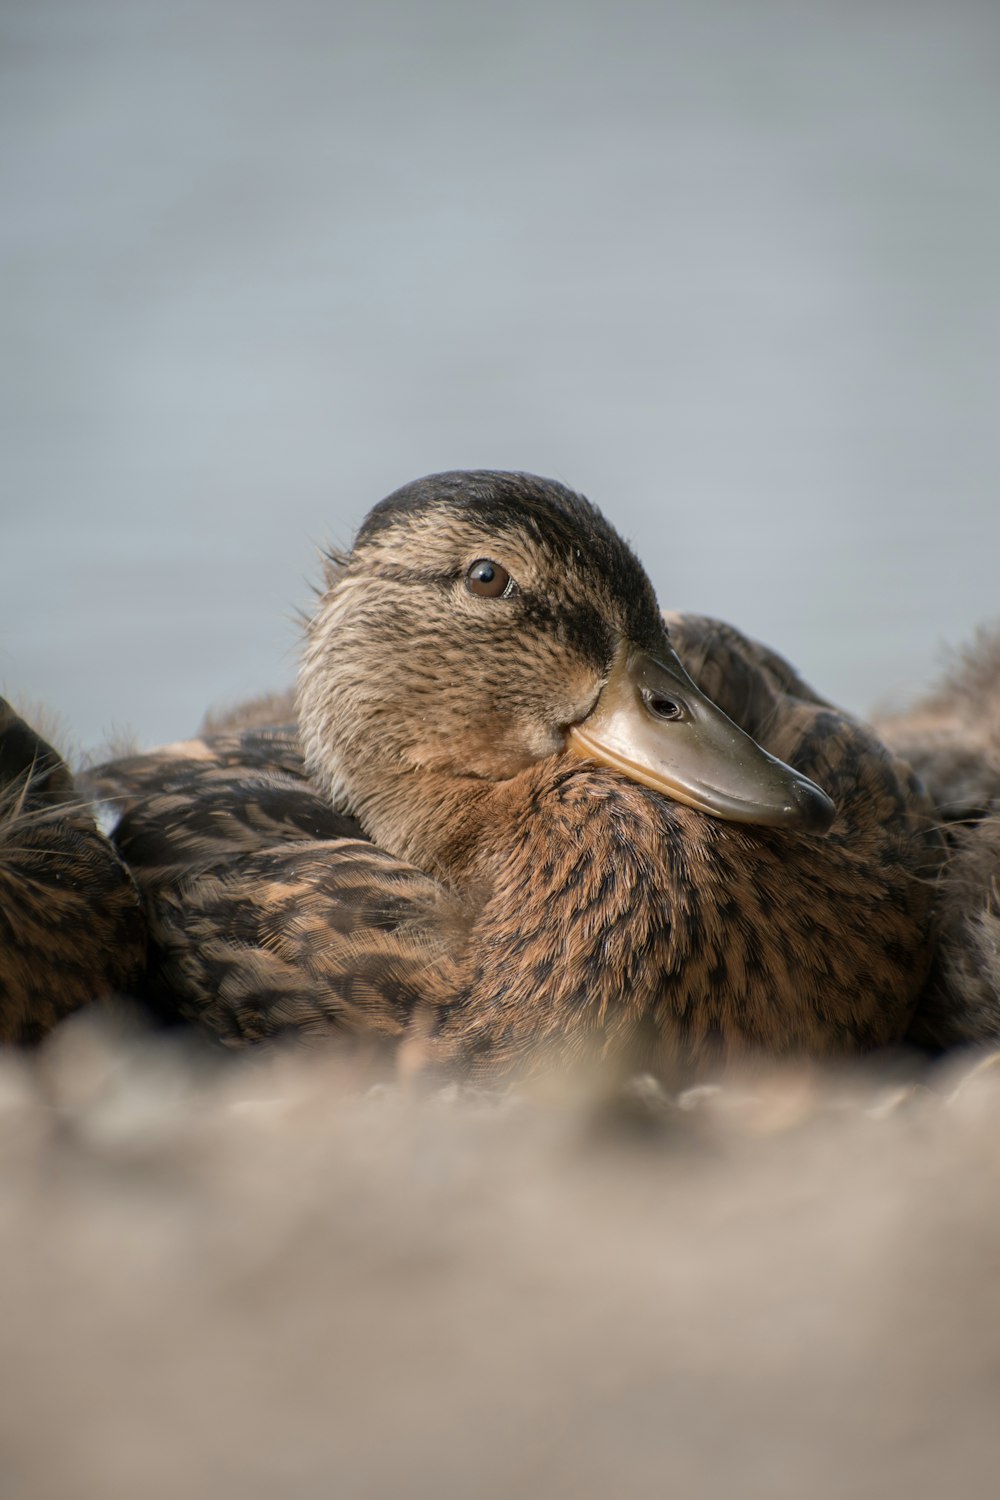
(406, 671)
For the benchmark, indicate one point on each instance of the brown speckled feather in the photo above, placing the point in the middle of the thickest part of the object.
(961, 1006)
(198, 800)
(304, 939)
(614, 922)
(953, 737)
(744, 938)
(71, 927)
(270, 914)
(440, 867)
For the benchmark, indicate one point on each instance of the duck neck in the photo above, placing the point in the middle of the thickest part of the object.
(576, 894)
(573, 937)
(441, 823)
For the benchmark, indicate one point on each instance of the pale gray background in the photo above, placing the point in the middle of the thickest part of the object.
(732, 269)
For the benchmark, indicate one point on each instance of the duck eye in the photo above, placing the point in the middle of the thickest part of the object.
(488, 579)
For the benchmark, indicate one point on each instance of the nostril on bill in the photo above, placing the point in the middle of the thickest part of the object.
(662, 708)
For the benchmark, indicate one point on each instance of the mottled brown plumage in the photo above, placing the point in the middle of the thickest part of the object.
(270, 912)
(953, 737)
(71, 928)
(447, 871)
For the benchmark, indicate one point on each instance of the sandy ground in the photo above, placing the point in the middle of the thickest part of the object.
(259, 1280)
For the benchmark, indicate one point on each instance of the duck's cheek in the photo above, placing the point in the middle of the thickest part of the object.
(495, 749)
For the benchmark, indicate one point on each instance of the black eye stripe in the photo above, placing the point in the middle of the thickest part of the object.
(580, 626)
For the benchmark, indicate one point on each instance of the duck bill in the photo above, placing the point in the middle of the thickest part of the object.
(656, 727)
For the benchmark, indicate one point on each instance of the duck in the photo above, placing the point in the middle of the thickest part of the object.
(952, 738)
(519, 817)
(72, 927)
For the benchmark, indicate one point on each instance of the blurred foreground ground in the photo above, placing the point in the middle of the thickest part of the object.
(258, 1281)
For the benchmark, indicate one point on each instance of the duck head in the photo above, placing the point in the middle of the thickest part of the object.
(487, 621)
